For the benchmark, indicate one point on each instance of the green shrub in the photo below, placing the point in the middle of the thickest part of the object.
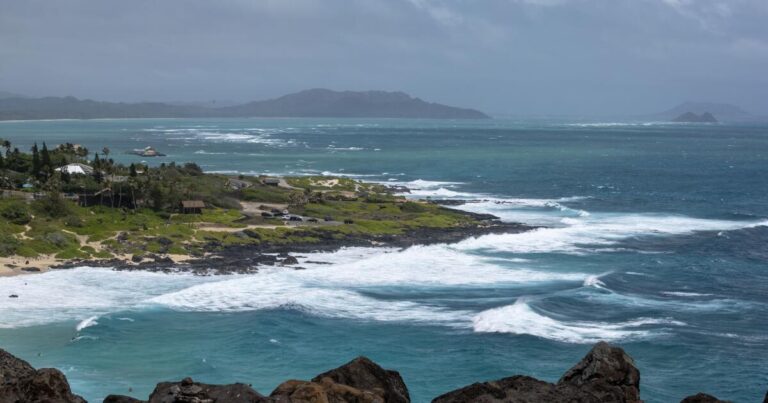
(58, 239)
(73, 221)
(8, 244)
(53, 205)
(16, 212)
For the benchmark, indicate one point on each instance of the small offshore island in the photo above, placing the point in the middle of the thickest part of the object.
(60, 209)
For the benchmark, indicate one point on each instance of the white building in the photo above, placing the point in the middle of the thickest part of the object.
(76, 169)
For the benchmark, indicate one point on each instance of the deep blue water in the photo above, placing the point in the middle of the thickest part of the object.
(657, 240)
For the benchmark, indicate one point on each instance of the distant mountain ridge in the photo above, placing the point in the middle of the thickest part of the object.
(309, 103)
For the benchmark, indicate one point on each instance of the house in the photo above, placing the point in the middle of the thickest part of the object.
(238, 184)
(76, 169)
(271, 181)
(192, 206)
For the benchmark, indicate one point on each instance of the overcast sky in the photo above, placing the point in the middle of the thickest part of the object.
(501, 56)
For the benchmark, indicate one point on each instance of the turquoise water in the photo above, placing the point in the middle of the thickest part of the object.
(657, 240)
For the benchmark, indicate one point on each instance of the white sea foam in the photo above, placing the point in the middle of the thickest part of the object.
(203, 152)
(621, 124)
(269, 290)
(71, 295)
(684, 294)
(423, 266)
(335, 287)
(214, 135)
(520, 318)
(595, 233)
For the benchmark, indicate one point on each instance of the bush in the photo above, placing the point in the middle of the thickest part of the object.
(73, 221)
(52, 205)
(16, 212)
(59, 239)
(8, 244)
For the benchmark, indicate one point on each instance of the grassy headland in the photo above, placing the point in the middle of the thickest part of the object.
(135, 214)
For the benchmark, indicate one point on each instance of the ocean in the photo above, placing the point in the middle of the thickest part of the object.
(654, 237)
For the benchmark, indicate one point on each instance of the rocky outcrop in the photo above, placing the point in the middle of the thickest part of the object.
(20, 382)
(605, 374)
(702, 398)
(360, 380)
(189, 391)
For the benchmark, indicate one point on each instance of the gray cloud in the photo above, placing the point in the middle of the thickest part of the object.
(509, 56)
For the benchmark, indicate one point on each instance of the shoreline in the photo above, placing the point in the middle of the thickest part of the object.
(243, 259)
(247, 259)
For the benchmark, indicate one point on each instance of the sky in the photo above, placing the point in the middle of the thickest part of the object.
(517, 57)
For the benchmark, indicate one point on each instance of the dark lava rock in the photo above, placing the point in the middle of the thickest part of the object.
(137, 258)
(189, 391)
(290, 260)
(360, 380)
(605, 374)
(702, 398)
(22, 383)
(30, 269)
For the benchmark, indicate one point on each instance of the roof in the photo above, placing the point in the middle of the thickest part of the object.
(192, 204)
(271, 180)
(76, 169)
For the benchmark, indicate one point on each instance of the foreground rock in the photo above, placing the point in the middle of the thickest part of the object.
(20, 382)
(360, 380)
(605, 374)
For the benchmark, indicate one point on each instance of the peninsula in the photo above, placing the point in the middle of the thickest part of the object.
(61, 208)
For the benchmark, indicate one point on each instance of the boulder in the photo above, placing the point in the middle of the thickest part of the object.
(360, 380)
(289, 260)
(23, 383)
(189, 391)
(605, 374)
(702, 398)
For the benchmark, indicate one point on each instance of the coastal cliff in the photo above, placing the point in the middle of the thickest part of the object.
(606, 374)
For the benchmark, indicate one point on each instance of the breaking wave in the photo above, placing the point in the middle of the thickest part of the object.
(520, 318)
(86, 323)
